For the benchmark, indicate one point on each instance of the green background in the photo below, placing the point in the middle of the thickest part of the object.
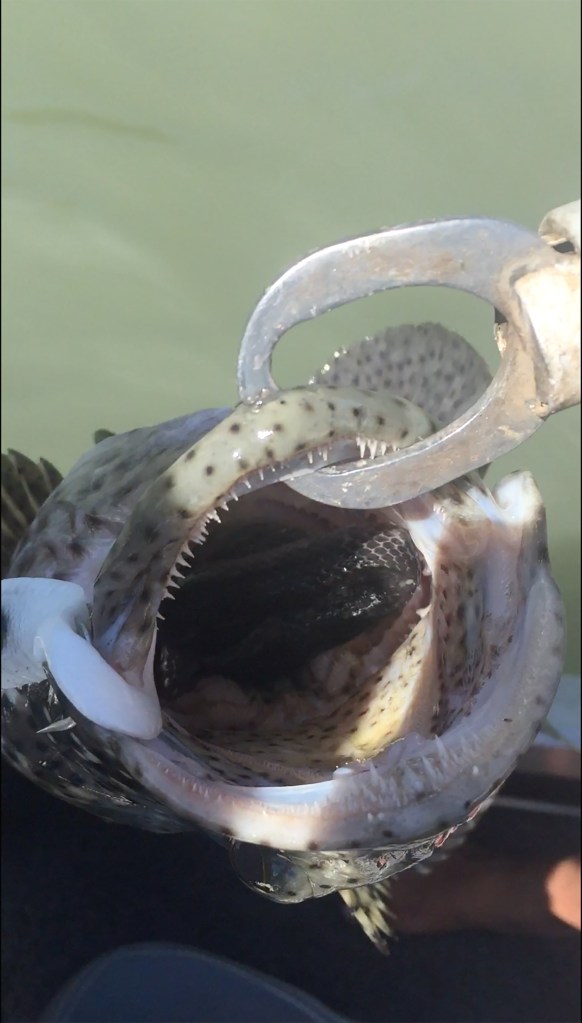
(164, 160)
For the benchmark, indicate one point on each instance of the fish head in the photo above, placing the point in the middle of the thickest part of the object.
(338, 764)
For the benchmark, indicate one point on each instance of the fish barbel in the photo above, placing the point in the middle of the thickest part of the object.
(326, 763)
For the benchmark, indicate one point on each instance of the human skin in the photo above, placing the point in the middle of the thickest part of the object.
(472, 890)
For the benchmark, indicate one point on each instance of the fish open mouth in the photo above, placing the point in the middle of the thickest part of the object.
(273, 647)
(312, 696)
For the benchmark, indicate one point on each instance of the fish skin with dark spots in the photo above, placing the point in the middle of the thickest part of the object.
(341, 767)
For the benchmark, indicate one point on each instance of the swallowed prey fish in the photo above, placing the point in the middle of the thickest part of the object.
(187, 641)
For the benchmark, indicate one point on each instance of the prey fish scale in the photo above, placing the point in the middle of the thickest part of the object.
(326, 759)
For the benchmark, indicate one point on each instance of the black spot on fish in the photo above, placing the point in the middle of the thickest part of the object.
(278, 427)
(243, 464)
(269, 452)
(124, 491)
(169, 483)
(75, 548)
(209, 470)
(189, 455)
(403, 433)
(150, 532)
(312, 846)
(234, 428)
(5, 626)
(331, 406)
(95, 522)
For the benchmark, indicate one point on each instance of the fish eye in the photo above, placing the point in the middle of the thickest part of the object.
(270, 873)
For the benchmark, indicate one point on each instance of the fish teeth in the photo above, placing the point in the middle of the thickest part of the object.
(214, 515)
(362, 446)
(64, 725)
(373, 446)
(383, 447)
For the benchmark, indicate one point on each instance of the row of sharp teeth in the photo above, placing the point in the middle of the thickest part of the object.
(367, 448)
(187, 554)
(372, 448)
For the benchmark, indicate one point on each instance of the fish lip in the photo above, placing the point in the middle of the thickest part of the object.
(436, 784)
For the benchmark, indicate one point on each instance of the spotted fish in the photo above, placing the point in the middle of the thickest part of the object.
(352, 764)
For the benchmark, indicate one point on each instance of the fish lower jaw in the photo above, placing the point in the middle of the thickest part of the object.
(488, 674)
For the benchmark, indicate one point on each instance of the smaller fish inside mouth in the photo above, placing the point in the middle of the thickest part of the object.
(273, 645)
(274, 597)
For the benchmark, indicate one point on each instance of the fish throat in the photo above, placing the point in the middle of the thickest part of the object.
(273, 645)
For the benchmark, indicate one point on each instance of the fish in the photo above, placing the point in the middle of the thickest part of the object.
(149, 596)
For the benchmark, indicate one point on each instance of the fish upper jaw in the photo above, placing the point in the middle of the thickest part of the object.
(254, 447)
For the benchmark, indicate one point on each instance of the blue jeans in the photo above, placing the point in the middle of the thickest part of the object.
(173, 984)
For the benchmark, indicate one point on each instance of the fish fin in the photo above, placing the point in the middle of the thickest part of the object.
(25, 487)
(100, 435)
(64, 725)
(425, 363)
(370, 907)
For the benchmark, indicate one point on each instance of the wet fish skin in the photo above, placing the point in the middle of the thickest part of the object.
(351, 832)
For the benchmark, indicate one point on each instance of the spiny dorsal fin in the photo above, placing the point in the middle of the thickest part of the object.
(370, 906)
(25, 487)
(100, 435)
